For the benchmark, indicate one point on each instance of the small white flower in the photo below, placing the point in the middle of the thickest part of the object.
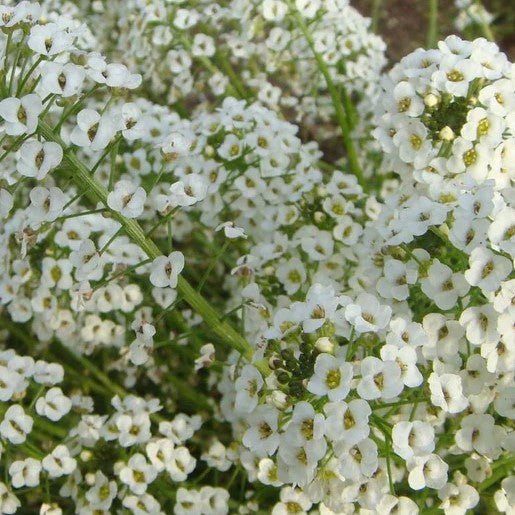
(262, 437)
(379, 379)
(127, 198)
(49, 39)
(487, 269)
(85, 259)
(6, 203)
(231, 231)
(21, 114)
(54, 405)
(427, 472)
(165, 270)
(206, 358)
(413, 439)
(36, 159)
(137, 474)
(180, 464)
(93, 130)
(16, 425)
(367, 315)
(25, 473)
(59, 462)
(291, 274)
(447, 392)
(248, 385)
(332, 377)
(46, 204)
(274, 10)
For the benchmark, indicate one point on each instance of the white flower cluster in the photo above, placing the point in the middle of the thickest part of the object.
(244, 324)
(175, 47)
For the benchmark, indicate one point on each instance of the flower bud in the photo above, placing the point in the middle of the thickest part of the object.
(319, 216)
(279, 399)
(431, 100)
(324, 344)
(446, 134)
(86, 455)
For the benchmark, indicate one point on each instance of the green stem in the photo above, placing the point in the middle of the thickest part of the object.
(97, 193)
(376, 14)
(432, 29)
(335, 97)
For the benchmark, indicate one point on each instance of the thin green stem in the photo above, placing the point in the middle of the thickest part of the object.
(97, 193)
(376, 14)
(432, 28)
(339, 108)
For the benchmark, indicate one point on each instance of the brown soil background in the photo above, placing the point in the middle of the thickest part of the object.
(403, 23)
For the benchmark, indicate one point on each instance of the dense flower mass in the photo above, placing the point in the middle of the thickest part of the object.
(203, 310)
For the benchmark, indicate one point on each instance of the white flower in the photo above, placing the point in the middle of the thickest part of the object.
(36, 159)
(190, 190)
(181, 464)
(9, 503)
(59, 462)
(102, 493)
(479, 433)
(415, 438)
(379, 379)
(231, 231)
(458, 499)
(447, 392)
(397, 276)
(501, 232)
(273, 10)
(367, 315)
(25, 473)
(332, 377)
(47, 374)
(159, 452)
(267, 472)
(49, 39)
(443, 286)
(137, 474)
(248, 385)
(390, 504)
(203, 45)
(206, 358)
(54, 405)
(65, 80)
(127, 198)
(262, 437)
(165, 270)
(217, 456)
(347, 422)
(188, 502)
(291, 274)
(85, 259)
(16, 425)
(406, 358)
(46, 204)
(21, 114)
(292, 501)
(358, 461)
(6, 203)
(142, 504)
(308, 8)
(427, 472)
(93, 130)
(487, 269)
(480, 324)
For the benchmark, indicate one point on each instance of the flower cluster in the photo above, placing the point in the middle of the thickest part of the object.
(203, 312)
